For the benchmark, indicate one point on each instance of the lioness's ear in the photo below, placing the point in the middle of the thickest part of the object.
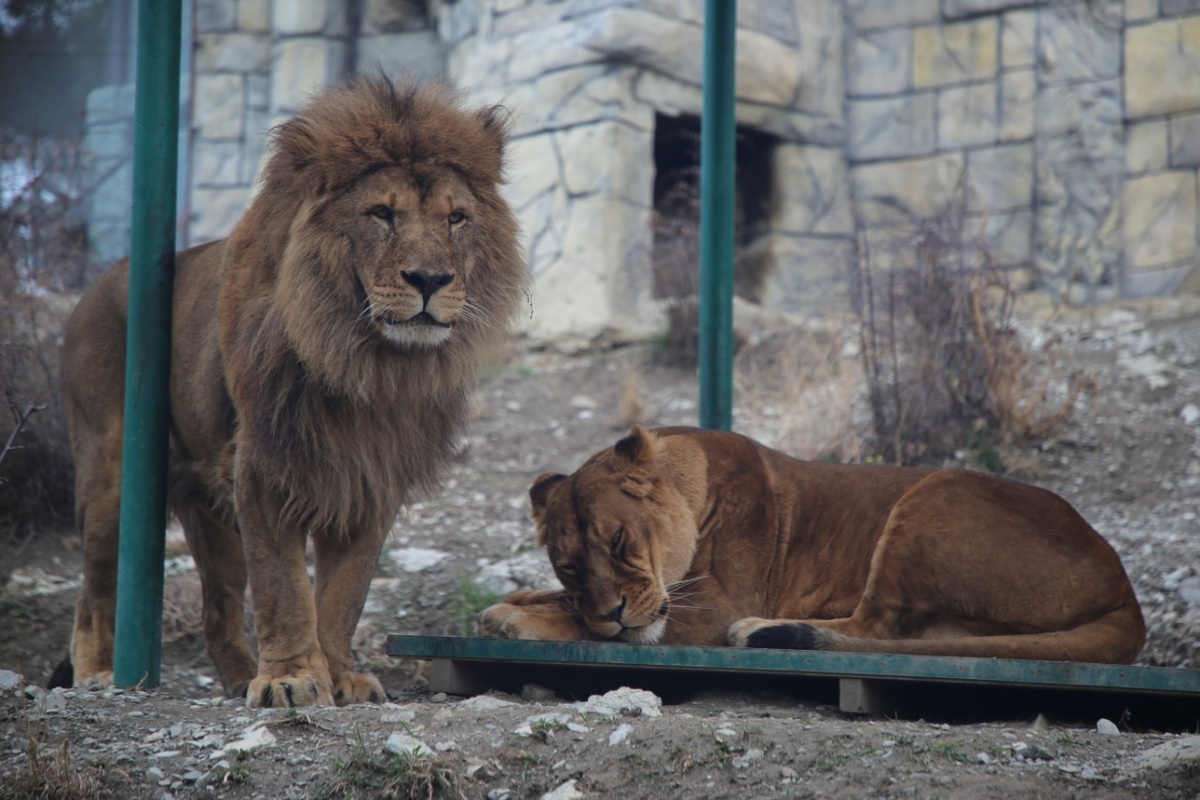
(537, 493)
(639, 446)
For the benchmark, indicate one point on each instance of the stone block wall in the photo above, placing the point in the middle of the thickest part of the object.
(258, 60)
(1067, 132)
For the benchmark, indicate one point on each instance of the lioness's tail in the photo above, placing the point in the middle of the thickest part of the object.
(1115, 638)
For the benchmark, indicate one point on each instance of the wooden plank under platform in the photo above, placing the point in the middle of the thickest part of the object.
(928, 686)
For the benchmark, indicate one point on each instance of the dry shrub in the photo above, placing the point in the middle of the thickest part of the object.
(801, 391)
(43, 260)
(676, 265)
(944, 366)
(48, 771)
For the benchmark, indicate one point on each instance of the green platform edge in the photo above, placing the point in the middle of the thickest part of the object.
(804, 663)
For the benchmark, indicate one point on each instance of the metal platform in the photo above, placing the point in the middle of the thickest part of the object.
(927, 686)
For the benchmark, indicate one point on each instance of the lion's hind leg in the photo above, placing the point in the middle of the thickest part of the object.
(221, 563)
(98, 513)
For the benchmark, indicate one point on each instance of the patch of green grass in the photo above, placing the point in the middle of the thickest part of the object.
(951, 750)
(239, 771)
(406, 776)
(834, 755)
(465, 603)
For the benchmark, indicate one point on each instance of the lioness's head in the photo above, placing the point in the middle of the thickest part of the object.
(622, 530)
(385, 222)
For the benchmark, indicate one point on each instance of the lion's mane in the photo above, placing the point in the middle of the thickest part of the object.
(352, 426)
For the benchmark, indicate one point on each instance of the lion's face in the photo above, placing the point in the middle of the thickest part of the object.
(411, 241)
(619, 535)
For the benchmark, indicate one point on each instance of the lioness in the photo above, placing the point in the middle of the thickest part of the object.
(322, 360)
(684, 536)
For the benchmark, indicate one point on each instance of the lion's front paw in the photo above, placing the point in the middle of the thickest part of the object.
(98, 680)
(357, 687)
(305, 687)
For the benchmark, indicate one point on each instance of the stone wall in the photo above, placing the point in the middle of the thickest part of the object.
(256, 62)
(1065, 132)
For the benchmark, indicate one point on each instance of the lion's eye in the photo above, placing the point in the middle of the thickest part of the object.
(567, 570)
(456, 218)
(382, 212)
(617, 540)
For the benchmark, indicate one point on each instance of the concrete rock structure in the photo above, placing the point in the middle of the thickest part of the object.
(1064, 133)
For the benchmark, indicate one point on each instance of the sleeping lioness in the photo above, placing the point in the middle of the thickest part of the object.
(684, 536)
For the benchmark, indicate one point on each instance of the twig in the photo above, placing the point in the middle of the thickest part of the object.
(22, 418)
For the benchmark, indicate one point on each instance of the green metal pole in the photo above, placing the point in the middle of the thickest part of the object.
(717, 142)
(138, 644)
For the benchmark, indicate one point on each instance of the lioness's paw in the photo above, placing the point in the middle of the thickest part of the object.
(776, 634)
(501, 621)
(357, 687)
(301, 689)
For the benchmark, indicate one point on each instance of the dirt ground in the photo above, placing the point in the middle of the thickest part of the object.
(1130, 461)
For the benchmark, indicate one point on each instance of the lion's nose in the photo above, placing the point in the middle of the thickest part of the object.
(427, 283)
(615, 614)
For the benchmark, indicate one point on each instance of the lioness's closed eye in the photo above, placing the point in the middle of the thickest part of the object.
(685, 536)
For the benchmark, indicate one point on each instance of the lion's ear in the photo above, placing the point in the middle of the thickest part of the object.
(639, 447)
(538, 493)
(495, 121)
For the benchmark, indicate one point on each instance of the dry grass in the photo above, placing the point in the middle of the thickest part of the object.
(802, 392)
(47, 771)
(43, 260)
(944, 365)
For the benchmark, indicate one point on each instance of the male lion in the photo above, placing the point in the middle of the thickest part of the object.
(685, 536)
(322, 360)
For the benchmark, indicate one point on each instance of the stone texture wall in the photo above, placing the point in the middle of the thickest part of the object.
(257, 61)
(1067, 132)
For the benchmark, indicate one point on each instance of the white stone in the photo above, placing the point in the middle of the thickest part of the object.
(1173, 754)
(254, 737)
(620, 734)
(623, 702)
(483, 702)
(1190, 414)
(1107, 727)
(566, 791)
(9, 680)
(417, 559)
(402, 743)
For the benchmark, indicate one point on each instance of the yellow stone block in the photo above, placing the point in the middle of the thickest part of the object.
(1160, 219)
(963, 51)
(1160, 67)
